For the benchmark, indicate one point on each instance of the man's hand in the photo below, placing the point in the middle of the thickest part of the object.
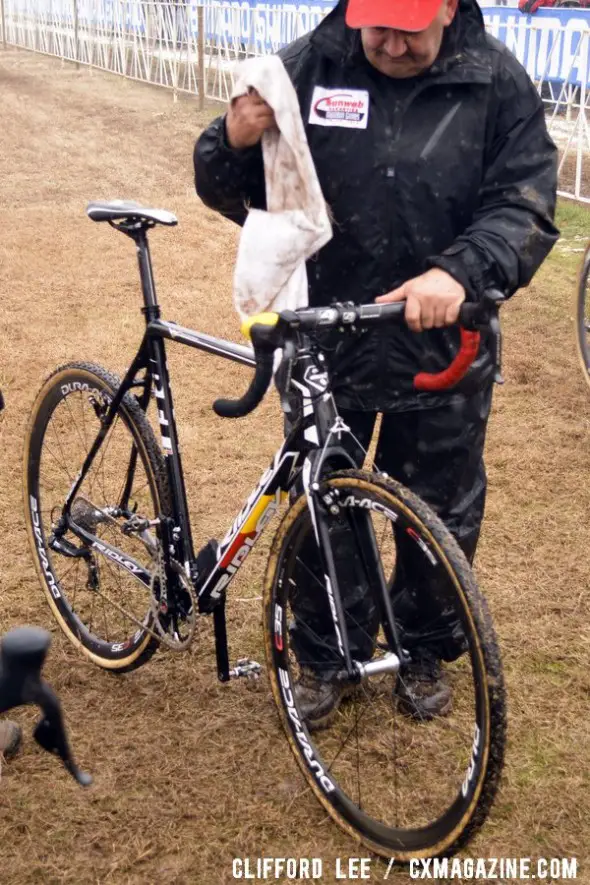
(248, 117)
(432, 300)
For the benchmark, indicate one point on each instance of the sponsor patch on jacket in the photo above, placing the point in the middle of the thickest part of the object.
(348, 108)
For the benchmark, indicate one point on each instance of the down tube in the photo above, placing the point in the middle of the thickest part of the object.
(247, 527)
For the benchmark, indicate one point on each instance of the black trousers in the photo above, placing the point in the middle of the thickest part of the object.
(438, 454)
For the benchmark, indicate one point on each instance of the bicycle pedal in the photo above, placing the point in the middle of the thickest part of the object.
(246, 668)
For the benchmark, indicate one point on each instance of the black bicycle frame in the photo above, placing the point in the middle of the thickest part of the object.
(314, 441)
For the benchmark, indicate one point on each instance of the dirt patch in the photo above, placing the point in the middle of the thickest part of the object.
(190, 773)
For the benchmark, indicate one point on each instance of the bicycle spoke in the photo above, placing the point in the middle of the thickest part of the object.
(75, 424)
(116, 578)
(61, 463)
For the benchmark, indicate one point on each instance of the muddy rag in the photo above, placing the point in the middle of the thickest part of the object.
(274, 244)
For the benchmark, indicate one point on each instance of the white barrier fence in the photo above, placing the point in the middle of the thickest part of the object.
(193, 48)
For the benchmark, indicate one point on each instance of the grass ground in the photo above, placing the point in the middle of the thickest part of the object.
(189, 773)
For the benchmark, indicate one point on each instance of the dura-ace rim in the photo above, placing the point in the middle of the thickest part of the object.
(62, 429)
(360, 806)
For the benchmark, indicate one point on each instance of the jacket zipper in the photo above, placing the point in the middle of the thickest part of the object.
(396, 121)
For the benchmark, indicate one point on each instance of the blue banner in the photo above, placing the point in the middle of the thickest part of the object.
(266, 27)
(552, 44)
(549, 43)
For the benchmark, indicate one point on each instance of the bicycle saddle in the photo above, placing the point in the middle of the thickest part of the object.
(127, 210)
(22, 655)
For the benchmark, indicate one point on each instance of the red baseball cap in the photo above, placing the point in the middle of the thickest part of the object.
(403, 15)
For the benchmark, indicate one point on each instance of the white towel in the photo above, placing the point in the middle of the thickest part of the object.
(270, 269)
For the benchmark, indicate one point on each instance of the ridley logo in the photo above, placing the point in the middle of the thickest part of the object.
(337, 107)
(316, 378)
(118, 558)
(334, 614)
(264, 511)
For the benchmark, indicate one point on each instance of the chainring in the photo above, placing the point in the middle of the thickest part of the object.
(174, 631)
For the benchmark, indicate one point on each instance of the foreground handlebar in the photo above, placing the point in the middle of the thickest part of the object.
(267, 332)
(22, 655)
(270, 331)
(238, 408)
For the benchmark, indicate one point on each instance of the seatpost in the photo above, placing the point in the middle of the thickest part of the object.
(151, 309)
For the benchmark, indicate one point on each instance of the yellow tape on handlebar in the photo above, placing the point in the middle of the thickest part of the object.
(262, 319)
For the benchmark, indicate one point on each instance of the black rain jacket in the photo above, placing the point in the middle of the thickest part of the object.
(460, 174)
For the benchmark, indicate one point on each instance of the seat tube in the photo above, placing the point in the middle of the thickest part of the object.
(158, 369)
(170, 446)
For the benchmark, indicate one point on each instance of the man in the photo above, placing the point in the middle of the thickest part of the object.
(431, 148)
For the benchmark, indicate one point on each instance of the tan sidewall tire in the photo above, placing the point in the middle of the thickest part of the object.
(580, 299)
(407, 503)
(93, 374)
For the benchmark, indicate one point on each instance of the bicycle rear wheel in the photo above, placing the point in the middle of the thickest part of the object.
(583, 315)
(99, 604)
(404, 786)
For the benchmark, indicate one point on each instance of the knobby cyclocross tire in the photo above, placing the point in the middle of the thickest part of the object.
(368, 752)
(583, 315)
(104, 613)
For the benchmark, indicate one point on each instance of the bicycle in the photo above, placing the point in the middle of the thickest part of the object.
(583, 315)
(108, 522)
(22, 655)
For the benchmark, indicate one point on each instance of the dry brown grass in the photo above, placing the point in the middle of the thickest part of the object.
(190, 773)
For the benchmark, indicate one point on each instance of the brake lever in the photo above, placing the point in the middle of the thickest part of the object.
(496, 344)
(284, 373)
(485, 315)
(22, 655)
(494, 298)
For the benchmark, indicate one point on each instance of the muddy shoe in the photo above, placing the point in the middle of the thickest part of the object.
(318, 700)
(422, 690)
(10, 738)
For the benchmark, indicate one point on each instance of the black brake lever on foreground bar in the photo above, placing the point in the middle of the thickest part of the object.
(484, 314)
(284, 373)
(22, 655)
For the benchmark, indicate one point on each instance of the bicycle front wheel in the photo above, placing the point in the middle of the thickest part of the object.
(583, 315)
(94, 595)
(404, 784)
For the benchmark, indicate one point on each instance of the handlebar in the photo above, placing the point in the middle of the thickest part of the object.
(270, 331)
(22, 655)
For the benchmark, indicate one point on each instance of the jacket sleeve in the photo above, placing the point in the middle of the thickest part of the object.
(512, 230)
(227, 180)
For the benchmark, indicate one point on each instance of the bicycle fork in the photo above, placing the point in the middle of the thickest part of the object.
(323, 505)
